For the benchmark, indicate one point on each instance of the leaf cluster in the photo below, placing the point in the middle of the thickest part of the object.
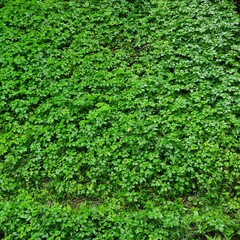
(133, 102)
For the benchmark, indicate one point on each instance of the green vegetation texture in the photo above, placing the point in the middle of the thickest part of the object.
(119, 119)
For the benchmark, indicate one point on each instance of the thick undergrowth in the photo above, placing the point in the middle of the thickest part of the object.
(119, 119)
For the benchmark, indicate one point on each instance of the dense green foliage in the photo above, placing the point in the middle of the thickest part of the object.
(119, 119)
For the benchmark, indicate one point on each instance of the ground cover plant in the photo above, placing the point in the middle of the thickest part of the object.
(119, 119)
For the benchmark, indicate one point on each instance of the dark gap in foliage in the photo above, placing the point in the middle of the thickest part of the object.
(238, 6)
(200, 237)
(2, 235)
(236, 236)
(236, 2)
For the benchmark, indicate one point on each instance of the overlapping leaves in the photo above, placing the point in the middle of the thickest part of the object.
(113, 99)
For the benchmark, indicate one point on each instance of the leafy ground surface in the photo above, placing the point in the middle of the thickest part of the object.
(119, 120)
